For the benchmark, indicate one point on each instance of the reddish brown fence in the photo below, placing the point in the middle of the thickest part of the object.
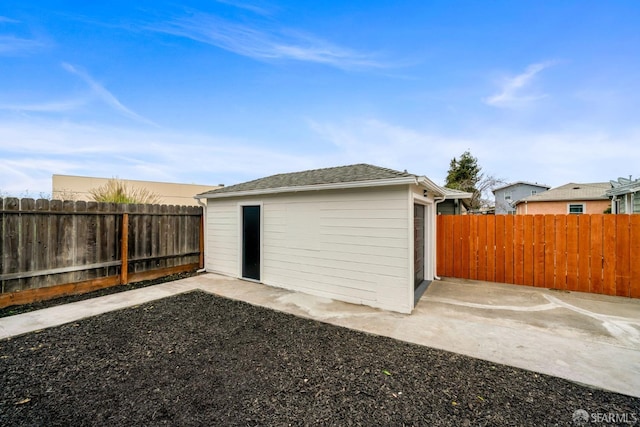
(586, 253)
(51, 248)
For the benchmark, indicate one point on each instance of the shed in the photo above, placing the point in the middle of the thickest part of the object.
(360, 233)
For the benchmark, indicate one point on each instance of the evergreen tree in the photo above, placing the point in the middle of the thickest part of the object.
(464, 173)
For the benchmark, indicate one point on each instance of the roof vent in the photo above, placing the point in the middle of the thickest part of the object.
(576, 188)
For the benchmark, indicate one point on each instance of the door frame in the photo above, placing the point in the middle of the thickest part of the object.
(241, 237)
(429, 245)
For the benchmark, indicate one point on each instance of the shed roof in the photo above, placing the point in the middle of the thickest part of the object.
(360, 175)
(571, 191)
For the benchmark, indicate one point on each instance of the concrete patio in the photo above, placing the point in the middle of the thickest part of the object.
(586, 338)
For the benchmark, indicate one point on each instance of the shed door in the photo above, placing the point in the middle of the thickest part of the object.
(251, 242)
(418, 246)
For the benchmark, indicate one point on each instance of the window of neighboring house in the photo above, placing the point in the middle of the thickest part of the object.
(636, 202)
(577, 208)
(534, 192)
(507, 196)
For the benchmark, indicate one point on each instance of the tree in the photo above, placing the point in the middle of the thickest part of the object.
(117, 191)
(463, 173)
(466, 175)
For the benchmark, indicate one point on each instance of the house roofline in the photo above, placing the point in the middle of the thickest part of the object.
(618, 191)
(417, 180)
(575, 199)
(534, 184)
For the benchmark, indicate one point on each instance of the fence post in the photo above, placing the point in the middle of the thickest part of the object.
(124, 250)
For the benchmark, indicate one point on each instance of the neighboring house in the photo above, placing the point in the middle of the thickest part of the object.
(361, 233)
(625, 196)
(570, 198)
(69, 187)
(455, 202)
(507, 195)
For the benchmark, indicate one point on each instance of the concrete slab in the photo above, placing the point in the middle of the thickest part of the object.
(586, 338)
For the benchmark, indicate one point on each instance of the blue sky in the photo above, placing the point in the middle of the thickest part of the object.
(226, 91)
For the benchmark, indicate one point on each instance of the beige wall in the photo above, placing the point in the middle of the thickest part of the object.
(68, 187)
(561, 207)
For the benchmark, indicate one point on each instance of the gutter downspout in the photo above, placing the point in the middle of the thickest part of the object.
(435, 232)
(204, 215)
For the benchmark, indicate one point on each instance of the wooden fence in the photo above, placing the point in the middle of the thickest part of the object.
(51, 248)
(586, 253)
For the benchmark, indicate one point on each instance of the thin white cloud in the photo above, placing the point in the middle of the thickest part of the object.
(46, 107)
(386, 144)
(15, 45)
(246, 6)
(107, 97)
(35, 148)
(247, 40)
(7, 20)
(511, 93)
(579, 155)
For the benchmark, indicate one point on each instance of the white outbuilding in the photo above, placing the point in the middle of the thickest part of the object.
(360, 233)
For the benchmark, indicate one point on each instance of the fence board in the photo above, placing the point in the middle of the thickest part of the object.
(499, 260)
(609, 254)
(11, 248)
(509, 249)
(491, 249)
(448, 255)
(458, 236)
(561, 252)
(596, 261)
(572, 253)
(584, 249)
(26, 235)
(549, 251)
(518, 250)
(527, 246)
(482, 249)
(472, 256)
(623, 256)
(538, 251)
(466, 242)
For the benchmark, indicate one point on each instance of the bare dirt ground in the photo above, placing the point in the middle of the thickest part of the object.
(198, 359)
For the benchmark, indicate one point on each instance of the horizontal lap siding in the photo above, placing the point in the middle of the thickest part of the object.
(222, 237)
(347, 245)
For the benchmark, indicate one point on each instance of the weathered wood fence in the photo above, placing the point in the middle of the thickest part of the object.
(52, 248)
(587, 253)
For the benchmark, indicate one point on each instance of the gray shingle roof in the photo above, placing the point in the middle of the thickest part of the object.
(572, 191)
(534, 184)
(334, 175)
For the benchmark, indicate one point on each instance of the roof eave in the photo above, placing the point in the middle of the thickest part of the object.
(620, 191)
(320, 187)
(571, 199)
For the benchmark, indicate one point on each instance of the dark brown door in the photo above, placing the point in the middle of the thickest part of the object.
(251, 242)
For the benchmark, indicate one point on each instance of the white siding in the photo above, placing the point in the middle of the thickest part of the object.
(349, 245)
(222, 252)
